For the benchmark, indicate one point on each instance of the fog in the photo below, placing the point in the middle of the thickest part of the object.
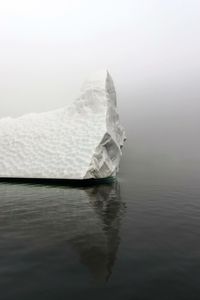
(150, 47)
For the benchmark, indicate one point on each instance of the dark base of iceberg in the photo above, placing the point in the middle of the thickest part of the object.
(60, 182)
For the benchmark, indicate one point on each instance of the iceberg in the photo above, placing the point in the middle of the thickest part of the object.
(81, 141)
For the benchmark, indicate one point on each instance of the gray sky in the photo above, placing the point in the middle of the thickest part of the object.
(48, 47)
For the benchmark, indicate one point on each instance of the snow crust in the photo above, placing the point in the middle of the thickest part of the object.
(81, 141)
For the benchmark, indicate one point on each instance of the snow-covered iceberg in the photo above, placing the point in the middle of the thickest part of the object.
(81, 141)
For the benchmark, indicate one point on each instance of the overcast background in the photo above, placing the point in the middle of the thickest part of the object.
(150, 47)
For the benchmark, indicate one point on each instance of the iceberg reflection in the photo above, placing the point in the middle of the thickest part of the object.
(35, 217)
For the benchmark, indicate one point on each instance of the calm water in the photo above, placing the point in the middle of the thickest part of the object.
(135, 238)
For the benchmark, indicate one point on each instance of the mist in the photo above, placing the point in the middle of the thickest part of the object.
(135, 236)
(151, 48)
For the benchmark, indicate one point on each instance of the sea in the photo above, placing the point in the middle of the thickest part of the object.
(136, 236)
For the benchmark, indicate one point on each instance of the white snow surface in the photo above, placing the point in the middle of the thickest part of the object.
(81, 141)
